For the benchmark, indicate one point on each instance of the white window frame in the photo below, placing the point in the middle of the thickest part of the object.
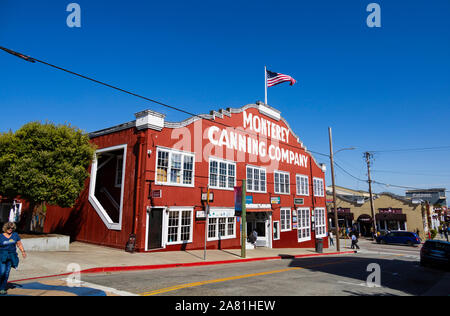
(286, 219)
(171, 152)
(277, 237)
(228, 220)
(180, 209)
(260, 170)
(303, 224)
(320, 222)
(299, 188)
(228, 163)
(282, 174)
(93, 200)
(319, 190)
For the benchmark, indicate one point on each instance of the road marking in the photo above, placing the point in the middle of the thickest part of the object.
(200, 283)
(103, 288)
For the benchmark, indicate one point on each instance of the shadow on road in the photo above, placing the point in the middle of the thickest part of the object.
(401, 275)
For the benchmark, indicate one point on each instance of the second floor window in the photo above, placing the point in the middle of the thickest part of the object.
(174, 167)
(256, 179)
(318, 187)
(222, 174)
(281, 182)
(302, 185)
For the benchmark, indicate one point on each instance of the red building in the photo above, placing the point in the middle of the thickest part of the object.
(150, 178)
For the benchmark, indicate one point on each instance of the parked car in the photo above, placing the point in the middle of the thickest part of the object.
(399, 237)
(435, 252)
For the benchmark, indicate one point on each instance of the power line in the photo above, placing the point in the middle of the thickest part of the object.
(34, 60)
(380, 183)
(410, 149)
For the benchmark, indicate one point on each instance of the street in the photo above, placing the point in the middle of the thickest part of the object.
(376, 270)
(400, 274)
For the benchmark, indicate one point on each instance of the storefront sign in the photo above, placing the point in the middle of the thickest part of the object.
(275, 200)
(200, 214)
(249, 199)
(205, 196)
(299, 201)
(342, 210)
(390, 210)
(239, 140)
(256, 206)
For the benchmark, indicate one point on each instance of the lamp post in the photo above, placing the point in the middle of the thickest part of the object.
(336, 221)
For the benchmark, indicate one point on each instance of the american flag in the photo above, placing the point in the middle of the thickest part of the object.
(274, 78)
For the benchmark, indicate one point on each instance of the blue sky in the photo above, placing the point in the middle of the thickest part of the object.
(379, 89)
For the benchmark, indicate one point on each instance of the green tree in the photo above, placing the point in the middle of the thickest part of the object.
(44, 164)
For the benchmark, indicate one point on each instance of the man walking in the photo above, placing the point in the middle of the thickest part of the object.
(354, 241)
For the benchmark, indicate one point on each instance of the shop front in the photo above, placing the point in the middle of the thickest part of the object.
(364, 222)
(345, 217)
(391, 219)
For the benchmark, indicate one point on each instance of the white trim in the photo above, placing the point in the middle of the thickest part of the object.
(288, 185)
(300, 227)
(318, 191)
(299, 175)
(217, 218)
(93, 200)
(166, 225)
(279, 230)
(290, 220)
(227, 162)
(169, 167)
(265, 181)
(320, 221)
(149, 209)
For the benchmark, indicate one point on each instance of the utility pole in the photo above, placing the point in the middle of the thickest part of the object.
(336, 221)
(368, 156)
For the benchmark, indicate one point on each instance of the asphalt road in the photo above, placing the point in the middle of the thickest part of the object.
(376, 270)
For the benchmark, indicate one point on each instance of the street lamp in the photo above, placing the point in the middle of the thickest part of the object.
(336, 222)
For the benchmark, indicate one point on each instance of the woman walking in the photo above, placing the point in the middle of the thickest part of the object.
(9, 240)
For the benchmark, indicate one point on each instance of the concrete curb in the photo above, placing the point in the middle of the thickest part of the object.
(180, 265)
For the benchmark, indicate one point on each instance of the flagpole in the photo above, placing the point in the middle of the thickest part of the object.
(265, 85)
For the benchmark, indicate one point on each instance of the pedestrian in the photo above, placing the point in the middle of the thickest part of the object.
(331, 239)
(446, 232)
(9, 240)
(354, 242)
(253, 237)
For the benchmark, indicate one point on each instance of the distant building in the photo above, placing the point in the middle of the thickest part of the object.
(437, 204)
(392, 212)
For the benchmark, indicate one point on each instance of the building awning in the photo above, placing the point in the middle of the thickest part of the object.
(255, 210)
(365, 218)
(342, 215)
(391, 217)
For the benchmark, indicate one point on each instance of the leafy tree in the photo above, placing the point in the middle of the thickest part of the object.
(44, 163)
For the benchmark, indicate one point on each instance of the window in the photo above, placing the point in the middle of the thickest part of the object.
(174, 168)
(302, 185)
(285, 217)
(276, 230)
(179, 226)
(256, 179)
(221, 228)
(321, 223)
(318, 187)
(119, 171)
(222, 174)
(106, 188)
(304, 224)
(281, 182)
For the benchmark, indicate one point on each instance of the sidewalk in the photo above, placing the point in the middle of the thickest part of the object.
(96, 259)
